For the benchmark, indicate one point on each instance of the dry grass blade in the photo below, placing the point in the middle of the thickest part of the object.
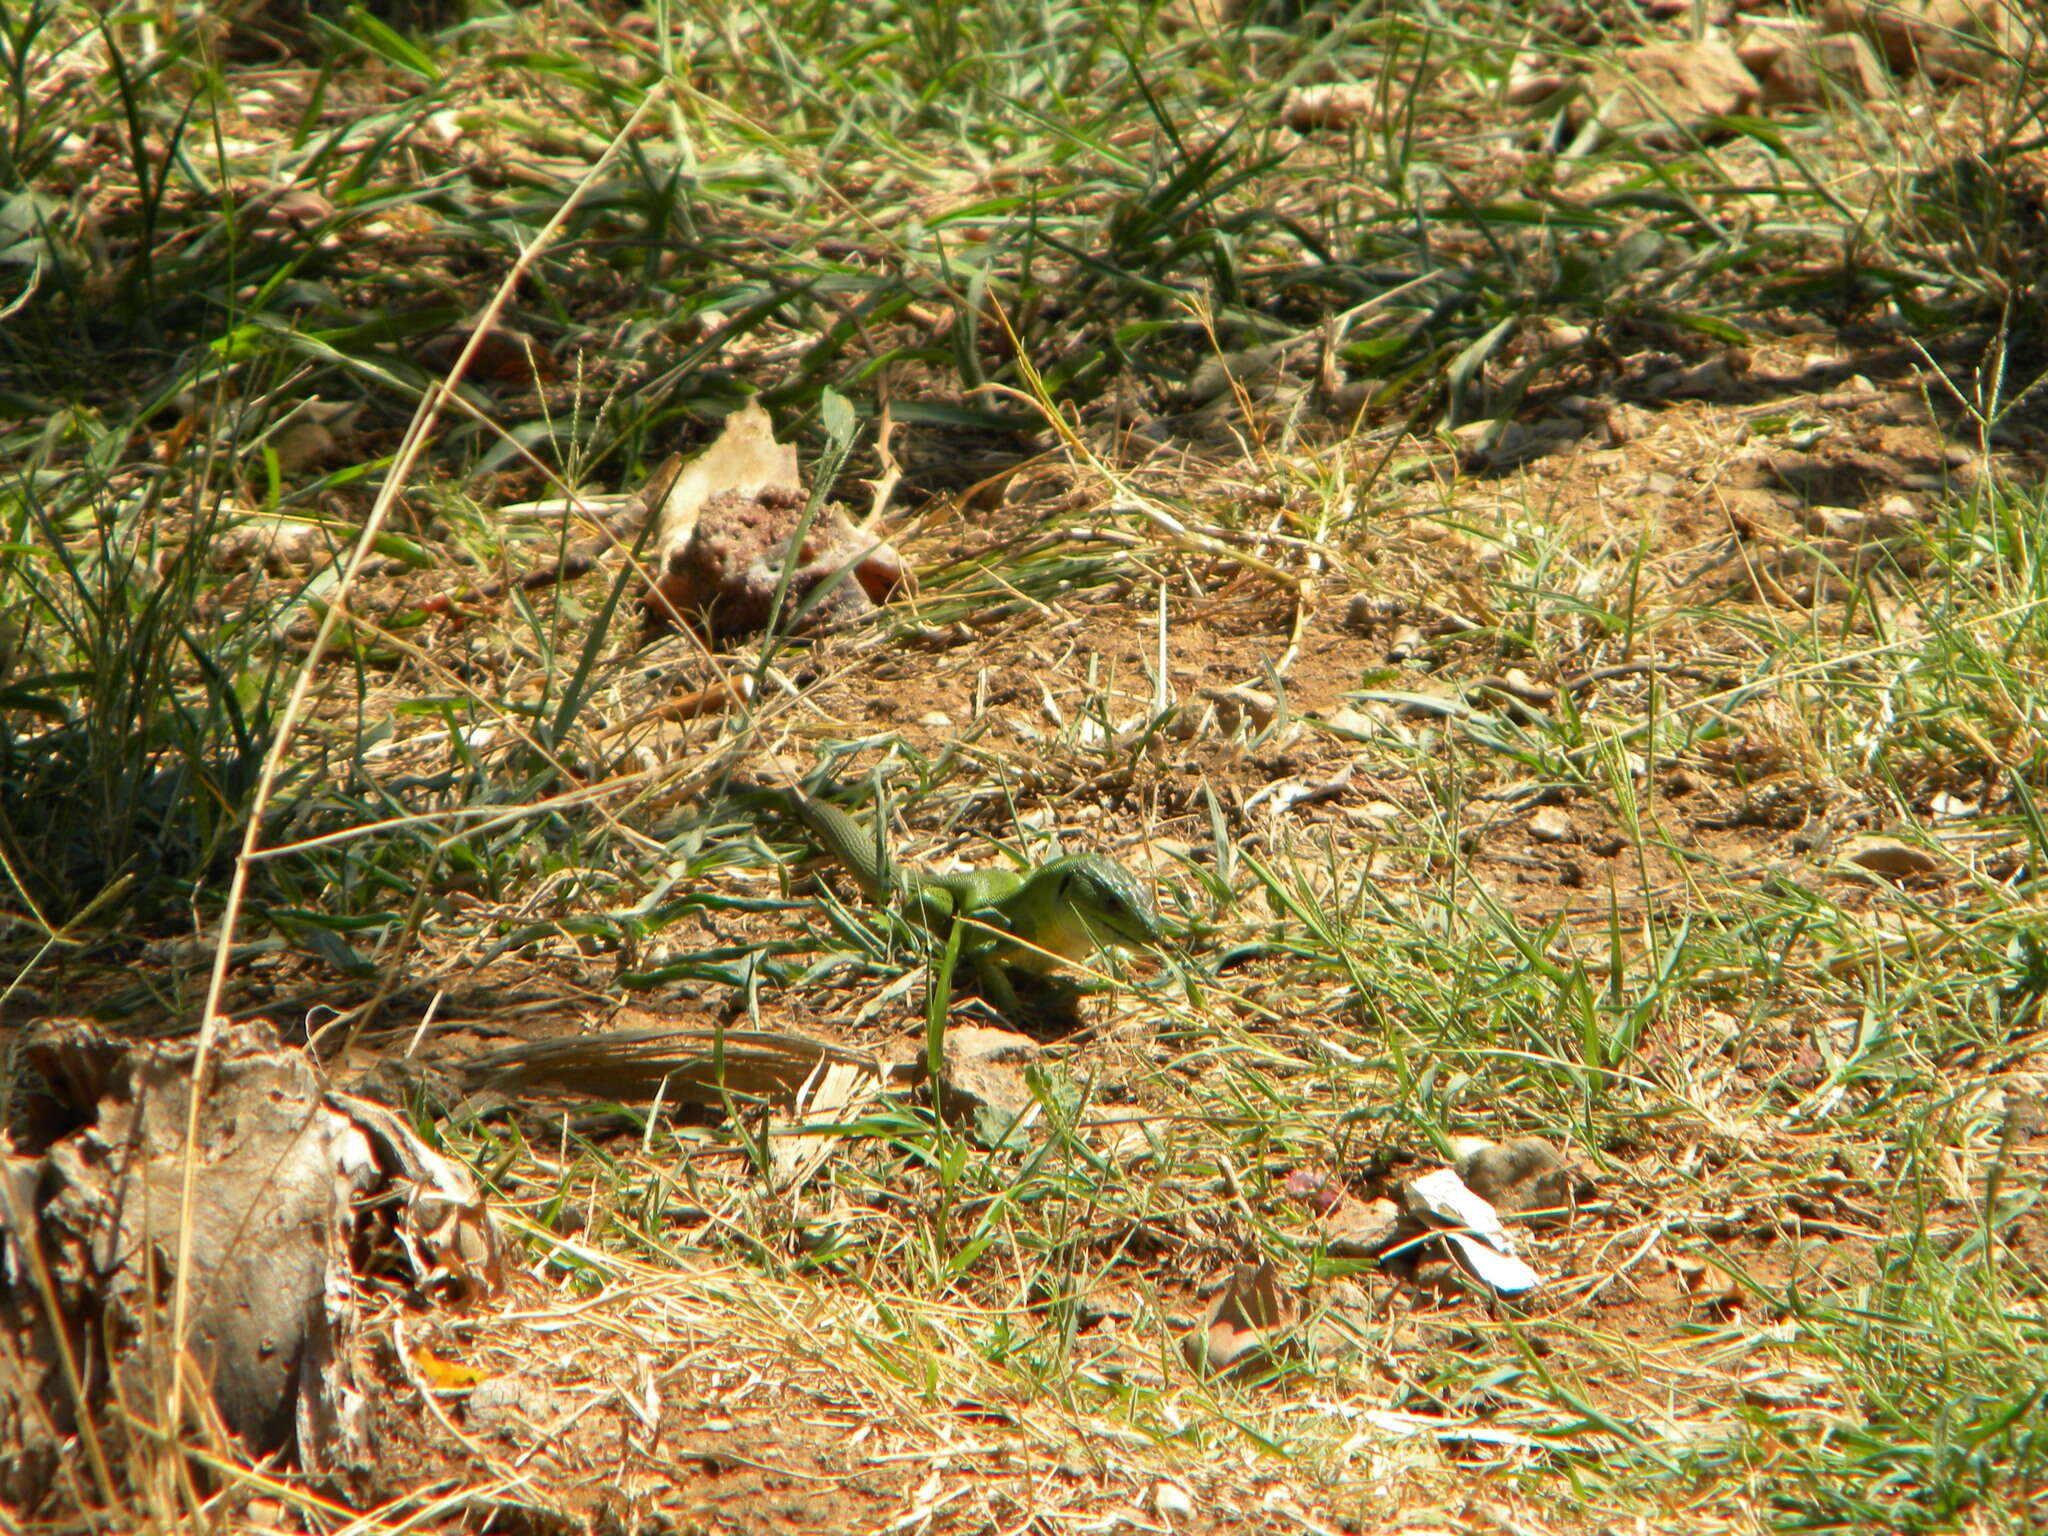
(416, 439)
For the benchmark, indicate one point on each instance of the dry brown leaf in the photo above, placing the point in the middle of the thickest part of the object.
(729, 527)
(1894, 859)
(1243, 1324)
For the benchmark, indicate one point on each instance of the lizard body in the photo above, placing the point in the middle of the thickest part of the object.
(1065, 909)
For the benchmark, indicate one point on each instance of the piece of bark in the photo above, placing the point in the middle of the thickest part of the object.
(293, 1187)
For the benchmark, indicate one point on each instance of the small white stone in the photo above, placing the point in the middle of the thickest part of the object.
(1835, 522)
(1172, 1502)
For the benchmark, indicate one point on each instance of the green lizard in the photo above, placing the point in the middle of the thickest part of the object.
(1066, 909)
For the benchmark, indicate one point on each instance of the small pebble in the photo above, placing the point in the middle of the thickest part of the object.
(1368, 609)
(1359, 725)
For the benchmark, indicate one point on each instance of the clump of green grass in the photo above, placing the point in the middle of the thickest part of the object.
(134, 721)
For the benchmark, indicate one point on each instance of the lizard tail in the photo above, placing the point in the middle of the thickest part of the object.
(862, 850)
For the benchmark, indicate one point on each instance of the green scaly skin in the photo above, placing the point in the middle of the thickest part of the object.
(1065, 909)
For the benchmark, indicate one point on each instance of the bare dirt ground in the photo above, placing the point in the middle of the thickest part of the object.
(723, 1400)
(1594, 763)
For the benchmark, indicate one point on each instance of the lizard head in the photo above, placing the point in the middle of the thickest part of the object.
(1096, 901)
